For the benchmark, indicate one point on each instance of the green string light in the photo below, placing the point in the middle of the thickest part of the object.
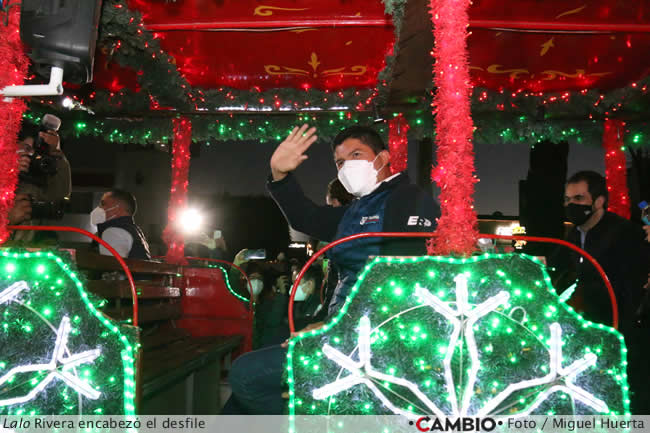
(513, 342)
(54, 292)
(227, 280)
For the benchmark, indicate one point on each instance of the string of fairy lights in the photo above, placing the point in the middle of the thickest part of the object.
(479, 336)
(500, 116)
(46, 314)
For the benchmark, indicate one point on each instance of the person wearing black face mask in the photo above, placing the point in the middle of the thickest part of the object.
(619, 247)
(616, 243)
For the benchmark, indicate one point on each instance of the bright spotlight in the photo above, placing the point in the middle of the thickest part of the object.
(68, 103)
(190, 220)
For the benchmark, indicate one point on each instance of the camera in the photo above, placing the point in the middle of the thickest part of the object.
(48, 210)
(42, 163)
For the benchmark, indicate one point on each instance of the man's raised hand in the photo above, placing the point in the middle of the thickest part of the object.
(291, 152)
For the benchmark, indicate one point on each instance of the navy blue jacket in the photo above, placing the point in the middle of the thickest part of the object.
(396, 205)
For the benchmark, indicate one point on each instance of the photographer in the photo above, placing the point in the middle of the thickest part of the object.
(44, 177)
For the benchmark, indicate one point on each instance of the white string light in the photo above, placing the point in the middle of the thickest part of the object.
(556, 374)
(56, 368)
(10, 293)
(463, 319)
(361, 372)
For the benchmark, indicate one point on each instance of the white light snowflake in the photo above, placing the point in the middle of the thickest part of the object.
(463, 318)
(59, 365)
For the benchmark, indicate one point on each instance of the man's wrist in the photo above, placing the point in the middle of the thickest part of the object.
(278, 175)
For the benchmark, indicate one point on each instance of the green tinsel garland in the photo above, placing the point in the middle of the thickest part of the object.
(258, 127)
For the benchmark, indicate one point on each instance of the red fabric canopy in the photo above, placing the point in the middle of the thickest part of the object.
(242, 43)
(328, 44)
(558, 45)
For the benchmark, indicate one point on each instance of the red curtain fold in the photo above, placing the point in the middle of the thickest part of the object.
(398, 143)
(457, 230)
(13, 69)
(178, 194)
(615, 168)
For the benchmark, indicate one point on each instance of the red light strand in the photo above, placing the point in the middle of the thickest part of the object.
(13, 70)
(398, 143)
(457, 227)
(615, 168)
(178, 194)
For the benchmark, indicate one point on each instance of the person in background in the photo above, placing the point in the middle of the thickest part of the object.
(52, 185)
(115, 225)
(294, 268)
(271, 311)
(237, 280)
(616, 243)
(618, 246)
(269, 292)
(307, 307)
(337, 195)
(281, 260)
(385, 202)
(205, 246)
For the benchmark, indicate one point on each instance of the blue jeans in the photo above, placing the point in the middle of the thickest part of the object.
(256, 382)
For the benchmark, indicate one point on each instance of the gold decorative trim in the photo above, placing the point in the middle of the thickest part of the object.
(284, 70)
(514, 73)
(548, 75)
(313, 61)
(547, 46)
(580, 73)
(354, 70)
(267, 11)
(315, 64)
(571, 12)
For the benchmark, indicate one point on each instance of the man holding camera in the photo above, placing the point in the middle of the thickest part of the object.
(44, 177)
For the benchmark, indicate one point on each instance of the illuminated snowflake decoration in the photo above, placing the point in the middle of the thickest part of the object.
(486, 336)
(60, 355)
(58, 368)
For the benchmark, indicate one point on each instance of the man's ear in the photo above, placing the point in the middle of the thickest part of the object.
(599, 202)
(384, 155)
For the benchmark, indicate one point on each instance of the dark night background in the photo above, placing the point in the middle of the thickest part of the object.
(227, 180)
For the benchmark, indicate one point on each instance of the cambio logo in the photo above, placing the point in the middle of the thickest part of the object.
(426, 424)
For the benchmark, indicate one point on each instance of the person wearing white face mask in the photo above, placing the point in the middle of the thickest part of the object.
(115, 225)
(385, 202)
(307, 304)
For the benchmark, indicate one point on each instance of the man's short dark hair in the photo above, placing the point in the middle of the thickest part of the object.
(127, 199)
(596, 183)
(336, 190)
(364, 134)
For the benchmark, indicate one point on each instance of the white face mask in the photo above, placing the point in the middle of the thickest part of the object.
(257, 285)
(358, 176)
(301, 292)
(98, 215)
